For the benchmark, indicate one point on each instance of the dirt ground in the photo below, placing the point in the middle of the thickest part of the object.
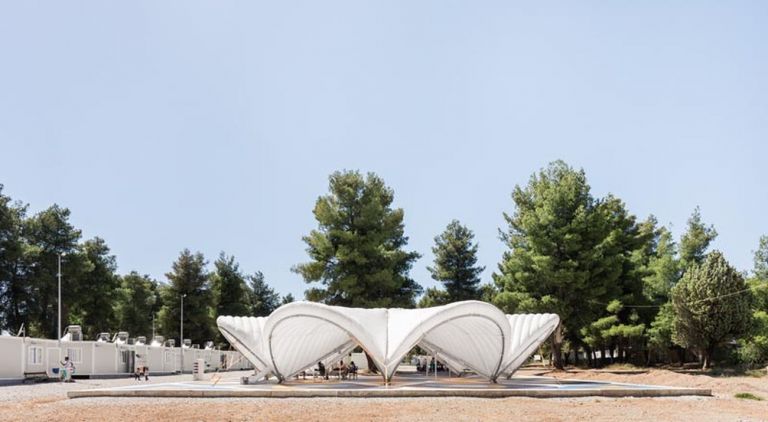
(49, 402)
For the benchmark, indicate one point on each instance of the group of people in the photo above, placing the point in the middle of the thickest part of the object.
(344, 371)
(142, 370)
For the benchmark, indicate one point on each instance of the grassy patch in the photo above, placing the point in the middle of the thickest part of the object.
(622, 367)
(757, 373)
(748, 396)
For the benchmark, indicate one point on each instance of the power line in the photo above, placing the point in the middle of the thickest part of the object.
(695, 302)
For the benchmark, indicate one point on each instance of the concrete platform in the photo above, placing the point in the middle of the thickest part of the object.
(406, 385)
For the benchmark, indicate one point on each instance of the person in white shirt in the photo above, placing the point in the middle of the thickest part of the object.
(67, 369)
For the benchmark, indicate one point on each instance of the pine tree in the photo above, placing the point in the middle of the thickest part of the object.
(711, 306)
(93, 307)
(137, 303)
(663, 268)
(188, 278)
(434, 297)
(568, 253)
(15, 291)
(760, 269)
(229, 289)
(695, 241)
(455, 263)
(357, 251)
(264, 299)
(49, 234)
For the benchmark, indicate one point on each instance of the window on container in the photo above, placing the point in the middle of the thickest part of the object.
(35, 355)
(75, 355)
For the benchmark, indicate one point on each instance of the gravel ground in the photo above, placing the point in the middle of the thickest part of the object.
(49, 402)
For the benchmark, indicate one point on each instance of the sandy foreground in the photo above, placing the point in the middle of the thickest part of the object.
(49, 402)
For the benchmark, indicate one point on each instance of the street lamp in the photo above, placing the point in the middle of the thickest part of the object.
(181, 333)
(58, 275)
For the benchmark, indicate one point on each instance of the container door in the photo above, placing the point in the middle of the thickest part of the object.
(54, 360)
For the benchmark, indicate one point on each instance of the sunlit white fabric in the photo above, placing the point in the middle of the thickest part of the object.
(465, 335)
(245, 334)
(528, 332)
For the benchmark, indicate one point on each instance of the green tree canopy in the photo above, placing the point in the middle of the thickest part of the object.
(287, 299)
(663, 268)
(264, 299)
(49, 234)
(189, 278)
(15, 292)
(696, 240)
(455, 263)
(137, 304)
(357, 251)
(93, 308)
(229, 289)
(711, 306)
(760, 269)
(569, 253)
(434, 297)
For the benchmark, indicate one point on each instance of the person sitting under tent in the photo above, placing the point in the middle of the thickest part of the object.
(343, 370)
(352, 370)
(321, 370)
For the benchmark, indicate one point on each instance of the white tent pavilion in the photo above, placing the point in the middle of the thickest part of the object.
(469, 334)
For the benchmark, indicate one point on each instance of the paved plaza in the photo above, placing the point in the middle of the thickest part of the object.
(403, 385)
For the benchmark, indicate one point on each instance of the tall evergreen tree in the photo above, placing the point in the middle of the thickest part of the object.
(754, 346)
(188, 278)
(760, 269)
(759, 282)
(711, 306)
(568, 253)
(49, 234)
(434, 297)
(287, 299)
(137, 304)
(15, 291)
(547, 266)
(357, 251)
(455, 263)
(663, 268)
(663, 273)
(230, 292)
(93, 308)
(696, 240)
(264, 299)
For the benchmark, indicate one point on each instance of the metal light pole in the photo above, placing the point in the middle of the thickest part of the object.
(181, 334)
(58, 275)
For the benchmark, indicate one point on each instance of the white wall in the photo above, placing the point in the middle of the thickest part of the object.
(17, 357)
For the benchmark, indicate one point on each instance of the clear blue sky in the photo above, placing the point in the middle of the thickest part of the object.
(214, 125)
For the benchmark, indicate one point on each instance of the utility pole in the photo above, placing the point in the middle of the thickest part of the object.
(58, 275)
(181, 334)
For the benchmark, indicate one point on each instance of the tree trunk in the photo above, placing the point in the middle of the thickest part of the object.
(557, 346)
(707, 357)
(680, 354)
